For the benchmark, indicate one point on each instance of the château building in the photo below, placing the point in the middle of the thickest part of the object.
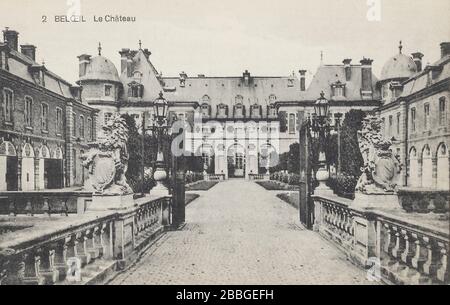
(226, 105)
(415, 114)
(44, 125)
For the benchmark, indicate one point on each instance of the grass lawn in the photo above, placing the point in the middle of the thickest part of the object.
(291, 198)
(189, 197)
(275, 186)
(201, 185)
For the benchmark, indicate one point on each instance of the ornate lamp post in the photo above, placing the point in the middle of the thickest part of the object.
(321, 126)
(160, 110)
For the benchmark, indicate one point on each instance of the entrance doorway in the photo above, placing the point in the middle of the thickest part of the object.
(53, 173)
(236, 161)
(11, 174)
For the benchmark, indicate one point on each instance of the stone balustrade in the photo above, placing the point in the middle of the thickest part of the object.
(44, 202)
(258, 177)
(411, 249)
(212, 177)
(94, 244)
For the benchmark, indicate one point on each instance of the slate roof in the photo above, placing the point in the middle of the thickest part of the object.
(327, 75)
(18, 65)
(420, 80)
(226, 89)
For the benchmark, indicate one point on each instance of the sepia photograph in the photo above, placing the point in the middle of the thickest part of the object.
(224, 148)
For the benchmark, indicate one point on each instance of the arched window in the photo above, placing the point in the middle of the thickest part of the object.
(222, 110)
(427, 167)
(413, 169)
(256, 111)
(28, 111)
(272, 98)
(206, 110)
(443, 167)
(81, 126)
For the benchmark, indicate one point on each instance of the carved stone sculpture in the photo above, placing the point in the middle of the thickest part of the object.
(381, 168)
(107, 160)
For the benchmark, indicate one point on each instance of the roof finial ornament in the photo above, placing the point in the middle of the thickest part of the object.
(99, 49)
(321, 58)
(43, 62)
(400, 47)
(140, 44)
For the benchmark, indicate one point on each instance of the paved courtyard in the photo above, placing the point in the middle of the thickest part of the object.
(239, 233)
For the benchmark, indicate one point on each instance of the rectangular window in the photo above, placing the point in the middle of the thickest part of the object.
(338, 91)
(390, 126)
(81, 126)
(413, 119)
(89, 129)
(8, 97)
(58, 120)
(44, 117)
(442, 111)
(74, 124)
(291, 123)
(398, 123)
(108, 89)
(426, 116)
(107, 116)
(28, 111)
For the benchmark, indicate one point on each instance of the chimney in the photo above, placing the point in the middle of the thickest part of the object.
(147, 53)
(84, 61)
(29, 51)
(246, 76)
(417, 57)
(302, 80)
(123, 59)
(445, 49)
(11, 38)
(366, 78)
(130, 64)
(347, 68)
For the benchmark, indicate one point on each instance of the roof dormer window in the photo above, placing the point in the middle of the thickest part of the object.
(108, 90)
(135, 90)
(338, 90)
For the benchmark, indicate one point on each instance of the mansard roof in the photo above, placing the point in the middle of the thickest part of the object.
(224, 90)
(19, 65)
(327, 75)
(440, 70)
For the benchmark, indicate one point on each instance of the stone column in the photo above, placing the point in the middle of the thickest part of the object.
(36, 173)
(434, 172)
(19, 172)
(69, 145)
(404, 140)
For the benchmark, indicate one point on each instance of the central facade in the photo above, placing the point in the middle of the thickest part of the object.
(238, 124)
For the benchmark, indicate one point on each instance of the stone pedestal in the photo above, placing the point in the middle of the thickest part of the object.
(372, 201)
(118, 202)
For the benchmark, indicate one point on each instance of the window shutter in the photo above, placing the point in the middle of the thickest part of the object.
(141, 91)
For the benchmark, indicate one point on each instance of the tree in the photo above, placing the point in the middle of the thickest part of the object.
(293, 162)
(351, 157)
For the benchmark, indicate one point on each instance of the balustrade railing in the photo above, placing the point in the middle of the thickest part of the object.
(35, 202)
(408, 252)
(216, 177)
(258, 176)
(103, 239)
(47, 259)
(412, 254)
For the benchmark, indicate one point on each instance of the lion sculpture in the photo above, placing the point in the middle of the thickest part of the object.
(107, 160)
(381, 168)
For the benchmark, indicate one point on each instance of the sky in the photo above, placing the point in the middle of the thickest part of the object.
(224, 38)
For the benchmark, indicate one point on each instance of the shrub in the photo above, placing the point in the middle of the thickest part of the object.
(343, 185)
